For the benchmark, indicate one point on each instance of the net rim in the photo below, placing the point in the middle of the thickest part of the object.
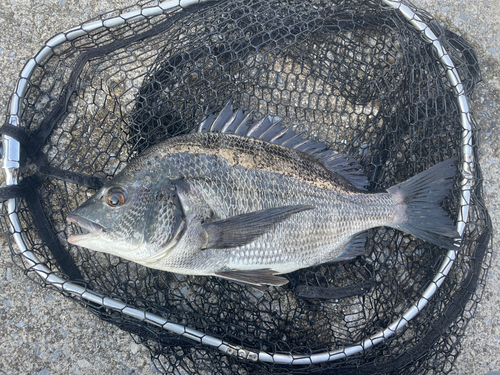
(11, 170)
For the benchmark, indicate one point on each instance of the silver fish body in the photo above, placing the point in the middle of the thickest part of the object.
(248, 201)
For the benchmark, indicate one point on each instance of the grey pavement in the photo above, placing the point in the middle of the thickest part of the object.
(43, 333)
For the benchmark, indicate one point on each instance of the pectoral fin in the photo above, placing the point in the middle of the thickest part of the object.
(256, 278)
(243, 229)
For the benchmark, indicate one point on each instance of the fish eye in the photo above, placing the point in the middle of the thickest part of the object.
(116, 196)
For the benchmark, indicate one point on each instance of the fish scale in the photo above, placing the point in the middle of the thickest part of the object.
(240, 200)
(257, 191)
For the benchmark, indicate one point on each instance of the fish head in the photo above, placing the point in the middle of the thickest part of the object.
(115, 219)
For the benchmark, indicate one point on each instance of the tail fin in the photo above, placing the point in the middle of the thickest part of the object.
(419, 212)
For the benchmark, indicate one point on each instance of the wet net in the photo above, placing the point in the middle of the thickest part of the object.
(378, 80)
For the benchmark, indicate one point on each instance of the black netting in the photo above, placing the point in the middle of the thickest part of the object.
(352, 74)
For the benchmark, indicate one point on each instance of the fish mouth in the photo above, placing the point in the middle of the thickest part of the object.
(93, 229)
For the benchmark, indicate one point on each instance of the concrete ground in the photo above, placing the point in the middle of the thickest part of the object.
(43, 333)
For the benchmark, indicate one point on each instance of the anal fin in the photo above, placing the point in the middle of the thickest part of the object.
(355, 248)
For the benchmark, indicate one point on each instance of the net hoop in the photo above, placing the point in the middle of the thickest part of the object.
(11, 169)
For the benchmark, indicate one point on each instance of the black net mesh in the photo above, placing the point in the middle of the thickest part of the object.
(352, 74)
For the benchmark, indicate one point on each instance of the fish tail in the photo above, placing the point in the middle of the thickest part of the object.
(418, 208)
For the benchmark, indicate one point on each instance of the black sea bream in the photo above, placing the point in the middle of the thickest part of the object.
(249, 201)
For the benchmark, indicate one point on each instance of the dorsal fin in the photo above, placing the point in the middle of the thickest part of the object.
(270, 129)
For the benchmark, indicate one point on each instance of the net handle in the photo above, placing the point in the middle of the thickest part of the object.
(11, 170)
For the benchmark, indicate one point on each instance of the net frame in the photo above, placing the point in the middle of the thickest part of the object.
(11, 164)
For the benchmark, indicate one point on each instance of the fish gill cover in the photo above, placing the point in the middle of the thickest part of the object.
(357, 76)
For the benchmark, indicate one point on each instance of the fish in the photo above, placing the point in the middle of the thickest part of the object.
(250, 201)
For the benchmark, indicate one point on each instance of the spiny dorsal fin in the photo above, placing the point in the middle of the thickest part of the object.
(270, 129)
